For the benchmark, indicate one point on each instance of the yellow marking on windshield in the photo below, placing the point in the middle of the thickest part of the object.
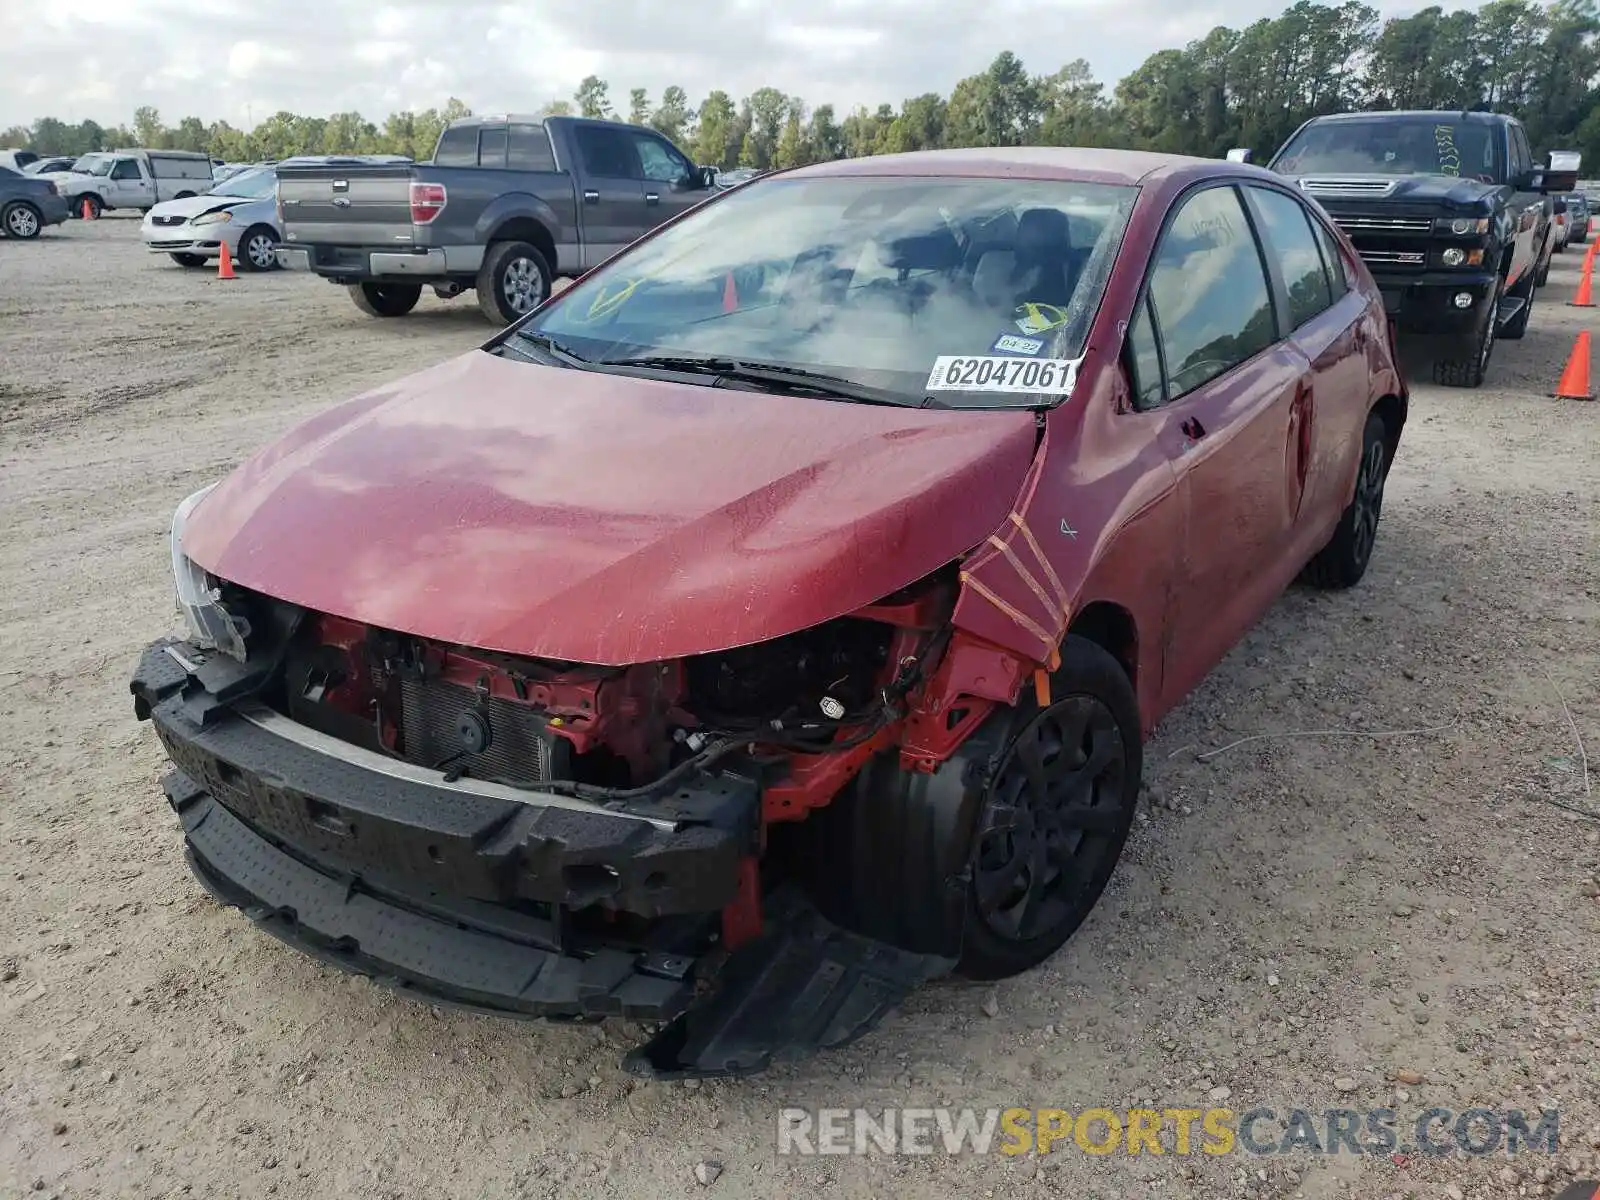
(1444, 141)
(605, 302)
(1036, 318)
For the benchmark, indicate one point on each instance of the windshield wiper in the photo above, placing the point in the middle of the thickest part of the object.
(553, 348)
(789, 377)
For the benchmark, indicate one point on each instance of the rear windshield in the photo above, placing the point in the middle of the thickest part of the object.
(866, 279)
(1389, 146)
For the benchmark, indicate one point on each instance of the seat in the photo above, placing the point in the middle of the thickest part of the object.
(1044, 270)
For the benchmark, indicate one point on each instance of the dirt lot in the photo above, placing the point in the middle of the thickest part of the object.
(1297, 921)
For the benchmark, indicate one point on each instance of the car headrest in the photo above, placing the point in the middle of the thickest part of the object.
(924, 252)
(1043, 230)
(991, 278)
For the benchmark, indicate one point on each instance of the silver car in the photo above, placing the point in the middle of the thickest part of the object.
(239, 213)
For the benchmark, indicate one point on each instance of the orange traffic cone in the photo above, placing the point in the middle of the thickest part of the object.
(730, 295)
(1574, 383)
(225, 264)
(1585, 285)
(88, 210)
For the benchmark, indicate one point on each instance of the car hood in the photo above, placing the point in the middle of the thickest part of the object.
(1441, 189)
(605, 519)
(193, 206)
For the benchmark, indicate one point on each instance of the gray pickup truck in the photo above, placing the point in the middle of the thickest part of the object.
(506, 205)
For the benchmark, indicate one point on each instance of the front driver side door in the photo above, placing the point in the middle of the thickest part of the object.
(1227, 392)
(671, 184)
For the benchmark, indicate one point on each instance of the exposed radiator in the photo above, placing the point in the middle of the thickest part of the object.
(440, 720)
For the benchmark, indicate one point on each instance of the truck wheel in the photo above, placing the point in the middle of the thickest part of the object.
(1468, 370)
(96, 206)
(189, 260)
(21, 221)
(513, 281)
(386, 299)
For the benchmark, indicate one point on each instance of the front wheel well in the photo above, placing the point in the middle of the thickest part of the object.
(526, 229)
(1112, 628)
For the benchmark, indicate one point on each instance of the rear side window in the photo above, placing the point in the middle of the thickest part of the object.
(458, 147)
(492, 147)
(1286, 230)
(530, 149)
(1208, 288)
(607, 153)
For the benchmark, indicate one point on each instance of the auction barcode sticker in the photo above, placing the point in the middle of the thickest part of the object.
(1001, 373)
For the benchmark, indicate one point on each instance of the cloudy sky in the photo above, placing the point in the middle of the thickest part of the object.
(241, 60)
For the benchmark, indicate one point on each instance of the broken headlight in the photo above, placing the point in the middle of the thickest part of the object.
(199, 600)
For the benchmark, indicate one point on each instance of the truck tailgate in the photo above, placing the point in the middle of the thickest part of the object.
(355, 205)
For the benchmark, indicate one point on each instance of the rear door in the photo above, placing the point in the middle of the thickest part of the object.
(610, 190)
(349, 205)
(1225, 387)
(1322, 318)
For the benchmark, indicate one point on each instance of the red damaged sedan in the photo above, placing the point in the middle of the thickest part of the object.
(771, 621)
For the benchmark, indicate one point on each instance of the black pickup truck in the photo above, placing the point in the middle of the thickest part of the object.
(505, 205)
(1450, 213)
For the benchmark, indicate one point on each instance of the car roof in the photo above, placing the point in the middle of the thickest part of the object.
(1031, 162)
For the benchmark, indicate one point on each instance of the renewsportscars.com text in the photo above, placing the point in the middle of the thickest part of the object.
(1435, 1132)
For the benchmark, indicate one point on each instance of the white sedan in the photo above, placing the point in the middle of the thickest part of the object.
(239, 213)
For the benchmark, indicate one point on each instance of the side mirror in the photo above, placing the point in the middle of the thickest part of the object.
(706, 177)
(1240, 154)
(1561, 175)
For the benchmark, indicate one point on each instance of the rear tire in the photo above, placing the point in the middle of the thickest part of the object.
(386, 299)
(1343, 561)
(22, 221)
(513, 280)
(189, 260)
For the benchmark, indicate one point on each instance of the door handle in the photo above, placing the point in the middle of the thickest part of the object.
(591, 197)
(652, 198)
(1193, 430)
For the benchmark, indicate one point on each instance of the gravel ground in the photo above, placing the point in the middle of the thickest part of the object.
(1298, 921)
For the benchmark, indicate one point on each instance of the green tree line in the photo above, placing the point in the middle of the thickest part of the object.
(1233, 87)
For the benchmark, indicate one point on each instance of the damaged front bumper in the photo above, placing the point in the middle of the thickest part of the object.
(480, 896)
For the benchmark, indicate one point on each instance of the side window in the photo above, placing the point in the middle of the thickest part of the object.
(529, 149)
(1286, 229)
(458, 147)
(1144, 360)
(1209, 291)
(659, 162)
(1332, 258)
(126, 168)
(607, 153)
(1521, 154)
(492, 147)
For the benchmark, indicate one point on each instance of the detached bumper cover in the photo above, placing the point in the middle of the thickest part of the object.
(464, 900)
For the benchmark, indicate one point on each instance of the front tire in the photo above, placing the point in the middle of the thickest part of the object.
(96, 206)
(1057, 814)
(386, 299)
(1343, 561)
(1470, 367)
(189, 260)
(513, 280)
(21, 220)
(256, 249)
